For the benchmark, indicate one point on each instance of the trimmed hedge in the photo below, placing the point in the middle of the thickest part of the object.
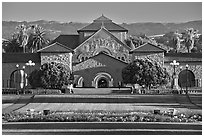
(30, 91)
(99, 117)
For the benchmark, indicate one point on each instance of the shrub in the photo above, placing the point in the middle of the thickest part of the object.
(50, 76)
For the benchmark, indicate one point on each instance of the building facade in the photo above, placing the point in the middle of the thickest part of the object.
(97, 55)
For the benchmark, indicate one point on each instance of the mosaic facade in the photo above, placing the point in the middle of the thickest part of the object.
(158, 57)
(90, 63)
(64, 58)
(97, 45)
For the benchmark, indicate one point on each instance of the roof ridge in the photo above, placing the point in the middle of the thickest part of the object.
(53, 45)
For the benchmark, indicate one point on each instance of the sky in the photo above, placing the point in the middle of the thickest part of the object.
(86, 12)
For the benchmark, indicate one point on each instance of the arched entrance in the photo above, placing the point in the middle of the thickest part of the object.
(80, 82)
(103, 83)
(18, 79)
(186, 78)
(102, 80)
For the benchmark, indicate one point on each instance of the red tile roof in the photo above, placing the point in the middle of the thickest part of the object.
(147, 47)
(54, 48)
(71, 41)
(107, 23)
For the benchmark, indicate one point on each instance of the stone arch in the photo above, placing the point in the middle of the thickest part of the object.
(80, 82)
(102, 76)
(83, 57)
(186, 78)
(104, 50)
(121, 57)
(18, 79)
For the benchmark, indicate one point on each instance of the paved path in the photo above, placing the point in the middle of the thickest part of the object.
(97, 102)
(18, 102)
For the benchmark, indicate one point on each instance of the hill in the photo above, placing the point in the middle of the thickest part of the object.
(56, 28)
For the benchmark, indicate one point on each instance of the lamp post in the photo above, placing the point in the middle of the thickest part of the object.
(187, 78)
(30, 63)
(175, 77)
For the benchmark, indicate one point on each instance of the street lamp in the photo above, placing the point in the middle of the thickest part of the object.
(175, 77)
(187, 78)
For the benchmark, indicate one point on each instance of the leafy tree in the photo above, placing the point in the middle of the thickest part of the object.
(50, 76)
(144, 72)
(35, 78)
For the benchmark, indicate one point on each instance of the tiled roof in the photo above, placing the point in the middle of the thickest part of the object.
(103, 21)
(71, 41)
(55, 47)
(20, 57)
(147, 47)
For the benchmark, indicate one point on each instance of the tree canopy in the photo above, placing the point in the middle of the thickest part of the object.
(50, 76)
(26, 39)
(144, 72)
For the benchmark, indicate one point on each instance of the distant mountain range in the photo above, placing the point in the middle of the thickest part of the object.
(56, 28)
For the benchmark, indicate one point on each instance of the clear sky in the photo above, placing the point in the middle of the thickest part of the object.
(86, 12)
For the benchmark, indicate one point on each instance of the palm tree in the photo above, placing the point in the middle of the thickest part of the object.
(22, 36)
(190, 37)
(11, 46)
(36, 39)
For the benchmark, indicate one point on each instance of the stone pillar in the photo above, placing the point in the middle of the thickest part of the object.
(70, 61)
(175, 82)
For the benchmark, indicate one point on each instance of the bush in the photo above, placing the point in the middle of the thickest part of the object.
(98, 117)
(50, 76)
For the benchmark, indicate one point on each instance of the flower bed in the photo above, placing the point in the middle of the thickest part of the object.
(100, 116)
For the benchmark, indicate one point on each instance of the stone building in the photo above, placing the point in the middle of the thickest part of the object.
(97, 56)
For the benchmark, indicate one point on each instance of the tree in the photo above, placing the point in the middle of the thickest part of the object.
(144, 72)
(31, 38)
(176, 42)
(22, 36)
(11, 46)
(35, 78)
(190, 35)
(36, 38)
(50, 76)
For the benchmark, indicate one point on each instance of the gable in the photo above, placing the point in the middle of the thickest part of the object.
(104, 38)
(99, 60)
(55, 47)
(147, 47)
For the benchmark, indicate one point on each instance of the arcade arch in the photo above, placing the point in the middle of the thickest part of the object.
(186, 78)
(102, 80)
